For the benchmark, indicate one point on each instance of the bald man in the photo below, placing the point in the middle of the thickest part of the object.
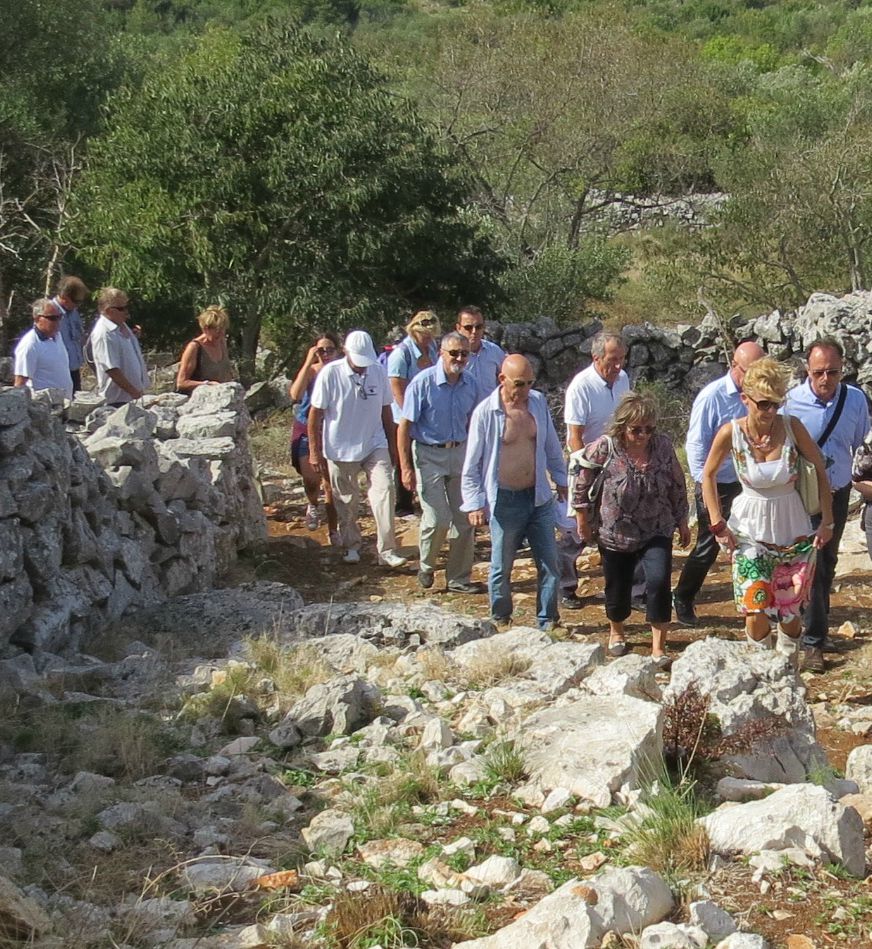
(719, 402)
(511, 450)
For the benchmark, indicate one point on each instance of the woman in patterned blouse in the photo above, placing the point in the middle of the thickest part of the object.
(642, 503)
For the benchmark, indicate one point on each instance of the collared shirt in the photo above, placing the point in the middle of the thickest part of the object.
(846, 437)
(115, 346)
(481, 468)
(403, 364)
(352, 403)
(715, 405)
(43, 360)
(591, 401)
(438, 409)
(485, 366)
(72, 333)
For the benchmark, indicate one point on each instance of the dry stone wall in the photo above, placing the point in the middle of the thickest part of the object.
(118, 508)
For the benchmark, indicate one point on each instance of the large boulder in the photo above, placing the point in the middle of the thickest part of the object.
(339, 706)
(592, 747)
(859, 768)
(744, 687)
(803, 816)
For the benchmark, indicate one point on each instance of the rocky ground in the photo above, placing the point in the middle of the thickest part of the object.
(323, 755)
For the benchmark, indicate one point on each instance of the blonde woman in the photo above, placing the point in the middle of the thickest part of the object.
(205, 360)
(416, 352)
(769, 534)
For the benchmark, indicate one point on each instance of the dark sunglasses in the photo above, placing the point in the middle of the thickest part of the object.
(426, 323)
(115, 306)
(641, 429)
(765, 404)
(325, 350)
(473, 327)
(50, 316)
(820, 373)
(520, 383)
(457, 353)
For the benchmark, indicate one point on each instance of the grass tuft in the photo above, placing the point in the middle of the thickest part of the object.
(504, 763)
(490, 668)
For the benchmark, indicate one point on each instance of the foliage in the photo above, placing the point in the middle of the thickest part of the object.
(503, 762)
(275, 172)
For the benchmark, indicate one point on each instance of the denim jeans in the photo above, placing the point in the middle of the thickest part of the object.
(516, 516)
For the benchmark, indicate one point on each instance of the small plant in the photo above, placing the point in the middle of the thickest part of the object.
(503, 762)
(293, 669)
(435, 665)
(489, 668)
(381, 918)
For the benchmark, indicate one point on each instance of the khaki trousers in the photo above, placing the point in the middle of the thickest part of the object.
(345, 481)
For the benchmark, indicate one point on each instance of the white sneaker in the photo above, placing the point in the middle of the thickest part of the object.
(352, 555)
(787, 646)
(391, 559)
(335, 539)
(313, 518)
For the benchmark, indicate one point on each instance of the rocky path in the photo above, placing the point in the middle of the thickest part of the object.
(322, 755)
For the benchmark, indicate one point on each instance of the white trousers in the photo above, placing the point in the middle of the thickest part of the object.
(345, 481)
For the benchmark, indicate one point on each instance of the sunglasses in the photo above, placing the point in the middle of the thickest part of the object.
(117, 307)
(325, 350)
(360, 385)
(473, 327)
(820, 373)
(641, 429)
(521, 383)
(426, 323)
(50, 316)
(765, 404)
(457, 353)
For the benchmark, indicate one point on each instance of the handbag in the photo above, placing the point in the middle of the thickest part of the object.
(806, 481)
(577, 461)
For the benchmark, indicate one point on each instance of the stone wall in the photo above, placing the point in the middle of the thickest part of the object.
(123, 508)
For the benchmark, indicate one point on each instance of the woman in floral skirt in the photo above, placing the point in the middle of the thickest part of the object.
(769, 533)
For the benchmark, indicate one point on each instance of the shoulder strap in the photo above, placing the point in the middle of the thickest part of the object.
(839, 406)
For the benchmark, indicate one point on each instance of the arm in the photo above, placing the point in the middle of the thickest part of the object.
(316, 440)
(575, 437)
(184, 382)
(700, 433)
(404, 447)
(472, 478)
(398, 389)
(554, 457)
(721, 446)
(297, 389)
(678, 497)
(118, 377)
(597, 453)
(809, 450)
(388, 426)
(20, 381)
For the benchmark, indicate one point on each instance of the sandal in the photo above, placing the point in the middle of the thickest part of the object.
(618, 648)
(662, 663)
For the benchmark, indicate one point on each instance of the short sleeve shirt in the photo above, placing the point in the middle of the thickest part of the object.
(44, 361)
(591, 402)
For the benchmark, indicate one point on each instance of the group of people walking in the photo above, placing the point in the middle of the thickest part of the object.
(459, 422)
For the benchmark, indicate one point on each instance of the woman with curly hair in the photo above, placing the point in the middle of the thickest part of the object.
(769, 533)
(205, 360)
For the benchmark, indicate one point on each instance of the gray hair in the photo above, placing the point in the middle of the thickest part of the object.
(38, 306)
(454, 337)
(601, 340)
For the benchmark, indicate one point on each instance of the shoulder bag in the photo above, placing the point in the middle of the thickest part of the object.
(807, 481)
(577, 461)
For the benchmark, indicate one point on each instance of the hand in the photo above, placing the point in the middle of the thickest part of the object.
(584, 528)
(561, 493)
(727, 540)
(313, 356)
(477, 518)
(316, 460)
(137, 330)
(684, 535)
(407, 476)
(822, 536)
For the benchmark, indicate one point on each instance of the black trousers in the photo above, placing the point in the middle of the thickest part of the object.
(618, 566)
(815, 621)
(705, 551)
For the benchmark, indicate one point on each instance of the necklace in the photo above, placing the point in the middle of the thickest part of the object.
(761, 443)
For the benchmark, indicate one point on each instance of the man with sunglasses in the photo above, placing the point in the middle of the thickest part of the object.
(437, 407)
(41, 360)
(513, 447)
(122, 375)
(837, 417)
(715, 405)
(351, 431)
(485, 357)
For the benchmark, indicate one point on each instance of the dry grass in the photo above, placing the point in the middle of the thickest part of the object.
(293, 669)
(490, 668)
(435, 665)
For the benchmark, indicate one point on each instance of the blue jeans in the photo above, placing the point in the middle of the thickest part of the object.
(516, 516)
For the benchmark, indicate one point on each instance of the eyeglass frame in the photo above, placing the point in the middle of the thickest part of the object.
(641, 429)
(764, 405)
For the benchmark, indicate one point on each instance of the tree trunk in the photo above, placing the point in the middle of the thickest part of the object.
(250, 338)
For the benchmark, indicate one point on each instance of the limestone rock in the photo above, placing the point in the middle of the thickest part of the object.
(496, 872)
(802, 816)
(329, 832)
(743, 941)
(397, 852)
(21, 918)
(338, 706)
(224, 874)
(591, 747)
(859, 767)
(709, 917)
(672, 936)
(632, 675)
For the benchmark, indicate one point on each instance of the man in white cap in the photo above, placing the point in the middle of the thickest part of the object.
(351, 426)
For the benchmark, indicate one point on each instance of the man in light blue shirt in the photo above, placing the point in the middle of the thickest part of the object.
(816, 402)
(437, 407)
(485, 357)
(718, 403)
(513, 447)
(70, 295)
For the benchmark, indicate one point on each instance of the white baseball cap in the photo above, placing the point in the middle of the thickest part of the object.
(359, 349)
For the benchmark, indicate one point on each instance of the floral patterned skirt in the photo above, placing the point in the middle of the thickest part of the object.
(773, 580)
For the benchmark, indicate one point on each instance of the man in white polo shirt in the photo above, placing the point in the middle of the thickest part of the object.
(594, 393)
(122, 376)
(351, 426)
(41, 360)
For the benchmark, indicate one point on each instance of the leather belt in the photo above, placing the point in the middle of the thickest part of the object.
(441, 444)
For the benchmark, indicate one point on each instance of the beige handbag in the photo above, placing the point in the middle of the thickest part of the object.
(807, 483)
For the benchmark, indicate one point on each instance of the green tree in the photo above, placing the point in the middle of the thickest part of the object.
(276, 173)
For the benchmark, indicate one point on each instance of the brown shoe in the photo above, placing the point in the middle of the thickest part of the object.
(813, 661)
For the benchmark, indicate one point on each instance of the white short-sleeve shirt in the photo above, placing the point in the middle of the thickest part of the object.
(591, 403)
(44, 362)
(352, 404)
(113, 348)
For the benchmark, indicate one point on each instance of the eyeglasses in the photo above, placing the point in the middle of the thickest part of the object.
(50, 316)
(325, 350)
(520, 383)
(641, 429)
(472, 327)
(457, 353)
(765, 404)
(360, 385)
(820, 373)
(426, 323)
(116, 306)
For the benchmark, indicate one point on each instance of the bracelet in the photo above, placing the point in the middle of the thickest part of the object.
(829, 527)
(719, 528)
